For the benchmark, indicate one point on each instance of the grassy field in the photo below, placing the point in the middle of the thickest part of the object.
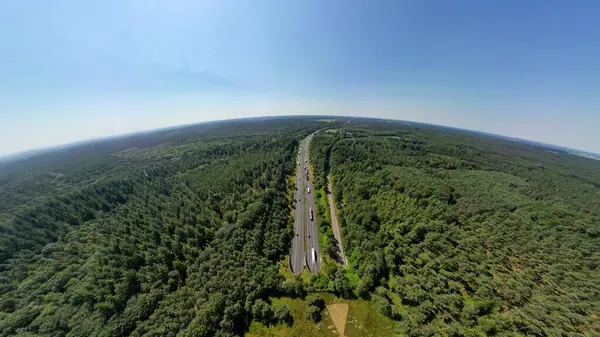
(363, 320)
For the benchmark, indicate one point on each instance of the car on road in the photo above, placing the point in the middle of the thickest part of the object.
(305, 161)
(311, 214)
(307, 189)
(314, 255)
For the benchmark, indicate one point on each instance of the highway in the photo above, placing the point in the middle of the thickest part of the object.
(305, 229)
(312, 239)
(297, 254)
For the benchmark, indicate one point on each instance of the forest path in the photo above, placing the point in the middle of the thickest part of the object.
(334, 223)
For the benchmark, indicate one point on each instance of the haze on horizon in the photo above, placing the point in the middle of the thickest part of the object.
(72, 71)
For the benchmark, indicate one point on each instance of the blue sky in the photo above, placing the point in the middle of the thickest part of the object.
(73, 70)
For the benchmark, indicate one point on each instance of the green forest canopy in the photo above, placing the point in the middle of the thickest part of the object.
(462, 234)
(174, 233)
(178, 232)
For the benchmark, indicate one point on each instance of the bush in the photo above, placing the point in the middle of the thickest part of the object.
(294, 287)
(313, 313)
(281, 314)
(262, 311)
(319, 282)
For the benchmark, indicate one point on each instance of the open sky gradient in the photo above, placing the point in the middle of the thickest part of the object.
(74, 70)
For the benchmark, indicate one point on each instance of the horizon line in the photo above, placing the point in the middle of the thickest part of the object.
(18, 155)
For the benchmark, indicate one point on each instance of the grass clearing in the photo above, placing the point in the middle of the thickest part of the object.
(302, 327)
(363, 320)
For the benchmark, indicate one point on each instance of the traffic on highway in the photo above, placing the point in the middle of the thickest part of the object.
(305, 243)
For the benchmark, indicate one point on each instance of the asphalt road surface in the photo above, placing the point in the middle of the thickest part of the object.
(297, 254)
(304, 227)
(312, 241)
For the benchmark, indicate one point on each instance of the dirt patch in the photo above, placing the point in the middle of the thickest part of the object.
(339, 314)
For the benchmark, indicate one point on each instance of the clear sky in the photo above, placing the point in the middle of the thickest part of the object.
(73, 70)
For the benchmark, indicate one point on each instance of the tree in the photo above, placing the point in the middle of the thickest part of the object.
(340, 283)
(293, 287)
(338, 193)
(262, 311)
(281, 314)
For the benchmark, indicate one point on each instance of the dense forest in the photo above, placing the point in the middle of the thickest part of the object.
(462, 234)
(172, 233)
(183, 232)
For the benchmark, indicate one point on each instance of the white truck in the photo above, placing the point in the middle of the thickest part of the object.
(314, 255)
(311, 214)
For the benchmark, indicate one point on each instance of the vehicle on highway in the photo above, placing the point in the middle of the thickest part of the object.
(305, 161)
(307, 189)
(314, 255)
(311, 214)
